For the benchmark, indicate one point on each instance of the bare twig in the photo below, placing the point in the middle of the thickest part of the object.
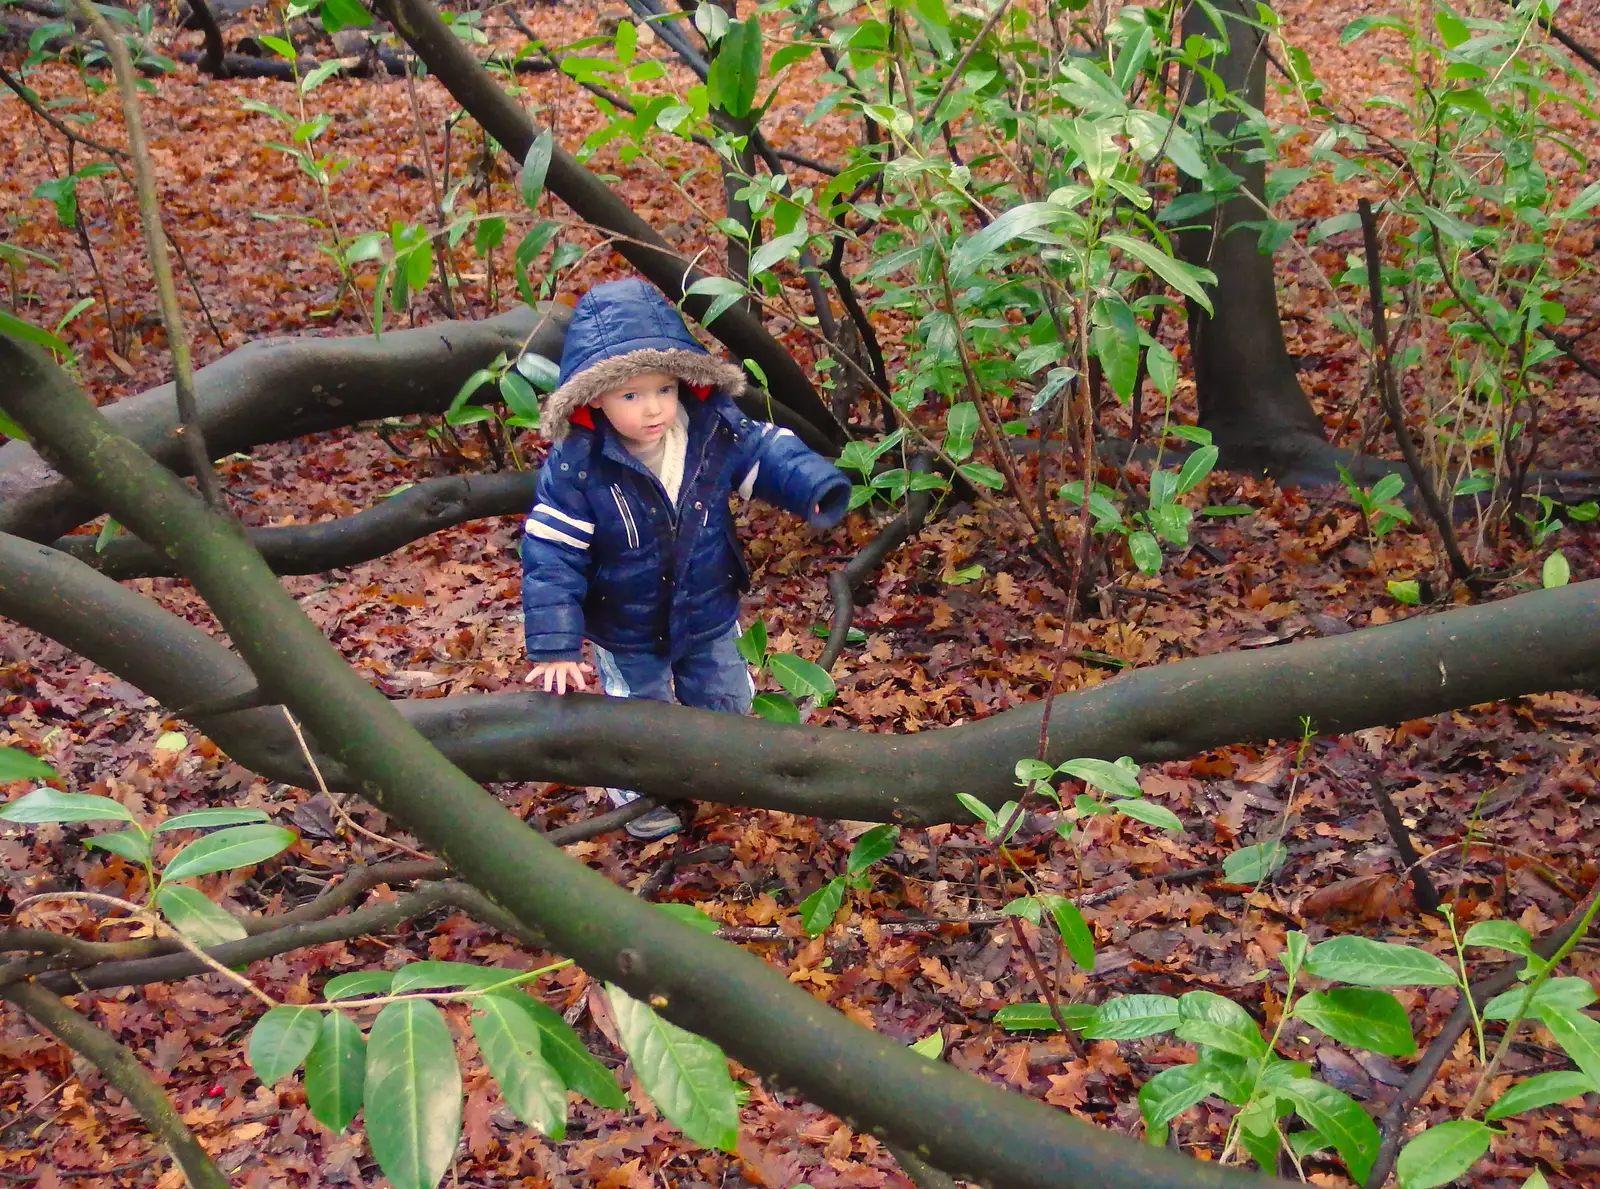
(1421, 881)
(26, 94)
(156, 248)
(123, 1071)
(1397, 419)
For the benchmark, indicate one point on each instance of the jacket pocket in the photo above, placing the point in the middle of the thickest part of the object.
(626, 513)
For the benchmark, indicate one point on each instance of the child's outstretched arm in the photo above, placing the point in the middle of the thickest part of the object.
(556, 564)
(777, 467)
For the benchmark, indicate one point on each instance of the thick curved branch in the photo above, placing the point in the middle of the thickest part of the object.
(388, 525)
(276, 389)
(1420, 666)
(448, 58)
(123, 1071)
(960, 1123)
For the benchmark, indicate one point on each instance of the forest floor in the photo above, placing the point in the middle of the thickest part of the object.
(439, 617)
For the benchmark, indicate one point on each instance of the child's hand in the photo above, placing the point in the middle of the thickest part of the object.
(559, 674)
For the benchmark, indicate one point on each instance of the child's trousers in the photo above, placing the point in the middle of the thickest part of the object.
(712, 677)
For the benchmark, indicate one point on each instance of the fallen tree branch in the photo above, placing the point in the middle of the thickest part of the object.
(390, 524)
(123, 1071)
(503, 118)
(719, 991)
(275, 389)
(1411, 669)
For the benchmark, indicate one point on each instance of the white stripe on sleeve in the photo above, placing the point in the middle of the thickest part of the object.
(544, 532)
(555, 513)
(749, 483)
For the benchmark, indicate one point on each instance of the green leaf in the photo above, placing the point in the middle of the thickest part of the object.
(1103, 774)
(1196, 467)
(776, 708)
(18, 329)
(1441, 1154)
(413, 1094)
(981, 475)
(512, 1049)
(1076, 935)
(1129, 1017)
(1406, 591)
(535, 167)
(876, 844)
(1230, 1077)
(960, 429)
(1337, 1116)
(360, 982)
(198, 917)
(976, 808)
(688, 914)
(1185, 278)
(1556, 570)
(1543, 1089)
(10, 429)
(48, 805)
(576, 1065)
(430, 976)
(802, 678)
(226, 850)
(1365, 24)
(1150, 813)
(1501, 935)
(133, 845)
(280, 1041)
(776, 249)
(1367, 1019)
(1170, 1093)
(341, 14)
(818, 909)
(752, 644)
(1577, 1034)
(736, 70)
(519, 396)
(1252, 864)
(1012, 224)
(1572, 994)
(684, 1074)
(336, 1071)
(203, 819)
(1036, 1017)
(1146, 552)
(1368, 963)
(1588, 198)
(1207, 1018)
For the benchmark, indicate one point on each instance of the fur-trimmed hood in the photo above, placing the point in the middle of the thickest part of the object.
(618, 330)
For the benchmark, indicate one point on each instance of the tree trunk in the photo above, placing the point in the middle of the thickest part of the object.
(1249, 394)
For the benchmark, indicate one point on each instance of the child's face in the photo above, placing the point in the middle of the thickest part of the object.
(642, 408)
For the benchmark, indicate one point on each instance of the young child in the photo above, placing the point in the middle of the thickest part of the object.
(630, 544)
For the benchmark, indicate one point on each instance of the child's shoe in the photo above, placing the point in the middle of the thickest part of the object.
(658, 823)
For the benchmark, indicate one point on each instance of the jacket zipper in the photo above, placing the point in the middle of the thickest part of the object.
(627, 516)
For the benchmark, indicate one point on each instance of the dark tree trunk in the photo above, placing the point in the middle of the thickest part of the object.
(1249, 394)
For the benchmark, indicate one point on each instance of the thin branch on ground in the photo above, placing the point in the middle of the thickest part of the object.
(1427, 896)
(123, 1071)
(1393, 1123)
(1420, 474)
(156, 251)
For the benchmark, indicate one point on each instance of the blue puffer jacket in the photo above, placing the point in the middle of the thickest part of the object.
(605, 554)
